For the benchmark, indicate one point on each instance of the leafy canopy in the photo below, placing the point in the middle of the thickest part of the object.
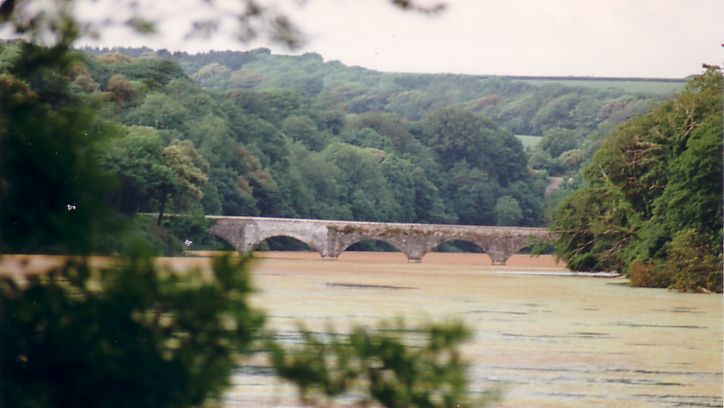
(653, 193)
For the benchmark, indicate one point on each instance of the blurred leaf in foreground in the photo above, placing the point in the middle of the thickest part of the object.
(129, 335)
(392, 365)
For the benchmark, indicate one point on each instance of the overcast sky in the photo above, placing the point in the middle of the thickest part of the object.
(629, 38)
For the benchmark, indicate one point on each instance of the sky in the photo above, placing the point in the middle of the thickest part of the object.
(612, 38)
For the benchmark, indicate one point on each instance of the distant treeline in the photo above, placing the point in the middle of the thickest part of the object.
(524, 105)
(591, 78)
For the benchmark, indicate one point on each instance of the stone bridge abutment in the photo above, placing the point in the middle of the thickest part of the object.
(331, 238)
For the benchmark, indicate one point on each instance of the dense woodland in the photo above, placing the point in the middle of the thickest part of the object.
(250, 133)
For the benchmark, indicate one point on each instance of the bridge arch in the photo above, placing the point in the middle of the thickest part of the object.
(356, 240)
(470, 242)
(305, 240)
(372, 245)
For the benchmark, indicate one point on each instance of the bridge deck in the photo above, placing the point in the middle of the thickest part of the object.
(490, 228)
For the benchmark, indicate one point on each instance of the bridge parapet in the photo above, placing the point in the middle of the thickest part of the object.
(331, 238)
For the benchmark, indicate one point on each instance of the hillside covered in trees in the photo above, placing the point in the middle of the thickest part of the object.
(251, 133)
(650, 201)
(583, 109)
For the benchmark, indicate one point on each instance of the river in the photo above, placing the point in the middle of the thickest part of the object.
(544, 340)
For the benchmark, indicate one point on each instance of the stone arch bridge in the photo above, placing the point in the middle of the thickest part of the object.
(331, 238)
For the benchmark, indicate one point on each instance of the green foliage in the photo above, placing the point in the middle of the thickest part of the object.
(151, 174)
(370, 197)
(559, 152)
(528, 195)
(121, 91)
(507, 211)
(459, 135)
(255, 152)
(190, 169)
(595, 227)
(49, 141)
(651, 196)
(557, 141)
(126, 335)
(664, 87)
(647, 275)
(303, 129)
(377, 366)
(472, 195)
(154, 72)
(137, 161)
(522, 105)
(694, 262)
(161, 241)
(191, 226)
(159, 111)
(419, 198)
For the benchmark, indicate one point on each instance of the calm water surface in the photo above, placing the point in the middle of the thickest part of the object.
(546, 341)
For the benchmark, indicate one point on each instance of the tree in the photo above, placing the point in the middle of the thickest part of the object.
(151, 174)
(232, 191)
(555, 112)
(390, 127)
(528, 196)
(418, 197)
(472, 195)
(120, 90)
(158, 111)
(654, 184)
(189, 169)
(366, 188)
(137, 162)
(211, 134)
(457, 135)
(507, 211)
(51, 188)
(595, 226)
(302, 129)
(271, 144)
(556, 141)
(325, 181)
(124, 335)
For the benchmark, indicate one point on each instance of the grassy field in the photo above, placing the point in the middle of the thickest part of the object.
(529, 141)
(652, 87)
